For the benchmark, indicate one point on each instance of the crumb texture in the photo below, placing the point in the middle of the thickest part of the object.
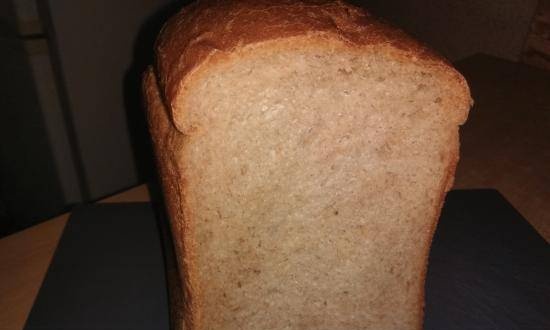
(313, 179)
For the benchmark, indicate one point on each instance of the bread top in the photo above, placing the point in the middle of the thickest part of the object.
(213, 28)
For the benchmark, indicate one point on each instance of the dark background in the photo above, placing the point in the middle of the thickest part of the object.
(72, 127)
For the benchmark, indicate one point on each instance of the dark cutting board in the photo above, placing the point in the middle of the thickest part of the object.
(489, 269)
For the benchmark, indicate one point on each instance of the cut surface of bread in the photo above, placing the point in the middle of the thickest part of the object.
(304, 177)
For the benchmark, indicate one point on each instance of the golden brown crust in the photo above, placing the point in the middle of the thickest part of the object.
(166, 137)
(209, 27)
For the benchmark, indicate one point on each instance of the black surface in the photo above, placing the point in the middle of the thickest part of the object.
(107, 273)
(488, 270)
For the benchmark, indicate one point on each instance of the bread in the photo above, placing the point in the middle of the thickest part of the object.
(304, 149)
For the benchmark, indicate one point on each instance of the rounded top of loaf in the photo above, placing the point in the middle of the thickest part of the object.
(206, 28)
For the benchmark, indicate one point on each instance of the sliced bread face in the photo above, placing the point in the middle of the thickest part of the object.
(304, 177)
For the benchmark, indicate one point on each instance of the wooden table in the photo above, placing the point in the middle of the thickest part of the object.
(26, 255)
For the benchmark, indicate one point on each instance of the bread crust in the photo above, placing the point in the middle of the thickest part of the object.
(212, 28)
(166, 137)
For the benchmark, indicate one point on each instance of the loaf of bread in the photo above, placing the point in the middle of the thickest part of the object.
(305, 150)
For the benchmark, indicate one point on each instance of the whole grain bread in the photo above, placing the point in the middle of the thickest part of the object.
(305, 150)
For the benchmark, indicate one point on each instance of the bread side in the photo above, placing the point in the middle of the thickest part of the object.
(166, 143)
(304, 174)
